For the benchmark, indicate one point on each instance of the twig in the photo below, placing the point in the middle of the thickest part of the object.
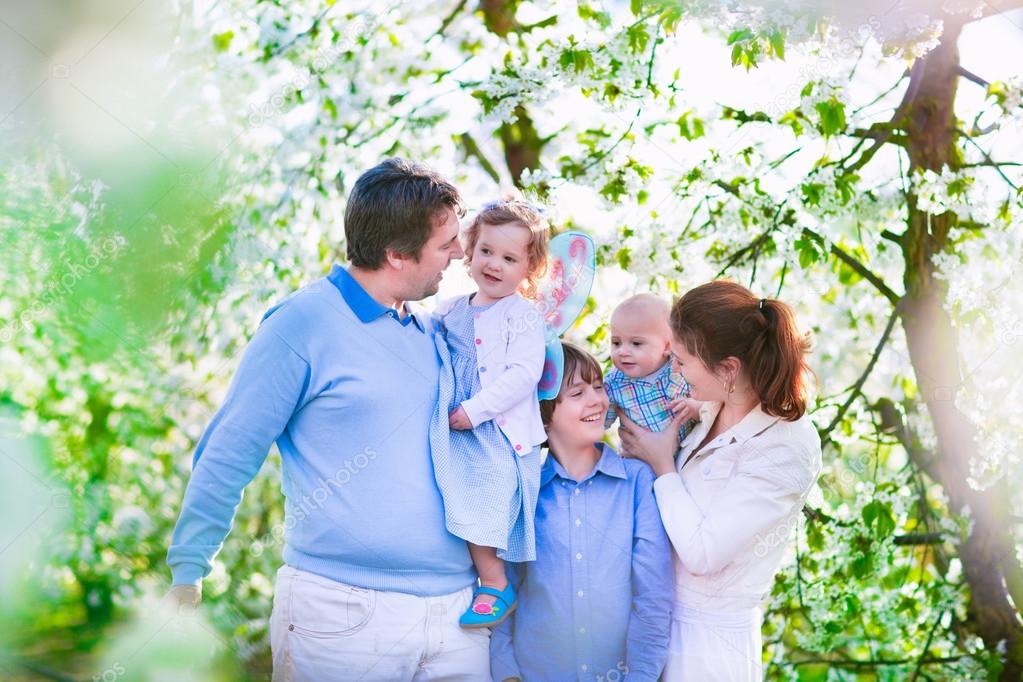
(987, 157)
(452, 15)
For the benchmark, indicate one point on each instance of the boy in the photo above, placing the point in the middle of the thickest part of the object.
(596, 603)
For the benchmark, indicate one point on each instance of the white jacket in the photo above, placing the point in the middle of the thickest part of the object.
(731, 511)
(510, 358)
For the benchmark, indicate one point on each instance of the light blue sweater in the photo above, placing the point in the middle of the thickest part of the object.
(347, 389)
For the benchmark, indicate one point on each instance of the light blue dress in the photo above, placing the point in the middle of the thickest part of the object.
(489, 491)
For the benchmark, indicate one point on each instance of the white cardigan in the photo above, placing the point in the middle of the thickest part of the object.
(510, 354)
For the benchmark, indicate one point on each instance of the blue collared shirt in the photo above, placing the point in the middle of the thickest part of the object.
(365, 306)
(346, 388)
(596, 604)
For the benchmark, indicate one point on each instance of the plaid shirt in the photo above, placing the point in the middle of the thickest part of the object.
(645, 400)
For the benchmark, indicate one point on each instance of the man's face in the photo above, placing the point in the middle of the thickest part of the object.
(422, 279)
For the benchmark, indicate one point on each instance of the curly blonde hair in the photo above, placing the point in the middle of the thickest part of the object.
(518, 212)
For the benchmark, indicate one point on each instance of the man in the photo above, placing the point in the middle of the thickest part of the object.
(343, 375)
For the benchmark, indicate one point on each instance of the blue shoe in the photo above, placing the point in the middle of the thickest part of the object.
(489, 615)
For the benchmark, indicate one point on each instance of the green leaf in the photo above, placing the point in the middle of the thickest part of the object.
(777, 42)
(879, 519)
(832, 113)
(330, 107)
(623, 257)
(690, 128)
(639, 37)
(222, 41)
(739, 36)
(808, 252)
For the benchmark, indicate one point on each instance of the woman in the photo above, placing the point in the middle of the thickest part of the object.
(733, 494)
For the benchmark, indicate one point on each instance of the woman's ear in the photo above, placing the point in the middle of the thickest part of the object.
(729, 368)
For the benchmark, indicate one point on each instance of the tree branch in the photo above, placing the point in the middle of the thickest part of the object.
(858, 386)
(970, 76)
(858, 267)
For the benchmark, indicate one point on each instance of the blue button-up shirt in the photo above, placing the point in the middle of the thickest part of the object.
(596, 604)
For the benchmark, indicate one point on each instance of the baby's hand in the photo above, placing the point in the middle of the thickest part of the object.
(687, 408)
(459, 420)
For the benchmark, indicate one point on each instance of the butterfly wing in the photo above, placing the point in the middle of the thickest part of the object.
(571, 267)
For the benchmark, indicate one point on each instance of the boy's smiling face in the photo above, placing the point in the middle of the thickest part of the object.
(640, 341)
(579, 412)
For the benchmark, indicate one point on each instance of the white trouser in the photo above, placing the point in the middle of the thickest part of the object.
(714, 647)
(327, 631)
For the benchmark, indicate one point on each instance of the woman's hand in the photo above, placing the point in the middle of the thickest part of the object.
(656, 448)
(459, 420)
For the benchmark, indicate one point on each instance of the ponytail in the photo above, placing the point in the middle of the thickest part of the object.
(723, 319)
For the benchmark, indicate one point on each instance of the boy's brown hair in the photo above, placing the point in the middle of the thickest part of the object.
(577, 361)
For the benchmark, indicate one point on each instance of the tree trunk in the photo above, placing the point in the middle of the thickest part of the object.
(987, 554)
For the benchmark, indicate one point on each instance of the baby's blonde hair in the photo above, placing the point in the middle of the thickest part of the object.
(517, 212)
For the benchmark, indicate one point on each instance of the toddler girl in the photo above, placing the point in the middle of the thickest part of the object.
(488, 468)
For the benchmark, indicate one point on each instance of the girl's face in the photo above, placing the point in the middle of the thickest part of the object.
(704, 384)
(500, 260)
(578, 416)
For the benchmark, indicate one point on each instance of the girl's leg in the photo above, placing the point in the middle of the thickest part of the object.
(490, 569)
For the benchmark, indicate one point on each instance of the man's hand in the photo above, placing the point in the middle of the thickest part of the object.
(459, 420)
(185, 598)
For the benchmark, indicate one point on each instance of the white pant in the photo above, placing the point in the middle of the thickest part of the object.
(714, 647)
(327, 631)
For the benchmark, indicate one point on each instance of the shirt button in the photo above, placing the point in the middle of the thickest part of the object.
(579, 556)
(503, 422)
(577, 491)
(479, 341)
(518, 447)
(483, 369)
(578, 522)
(582, 631)
(583, 667)
(579, 593)
(477, 316)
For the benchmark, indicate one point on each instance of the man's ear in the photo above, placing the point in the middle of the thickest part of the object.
(396, 260)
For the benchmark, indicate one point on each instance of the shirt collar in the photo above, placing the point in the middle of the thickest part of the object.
(753, 424)
(609, 464)
(365, 307)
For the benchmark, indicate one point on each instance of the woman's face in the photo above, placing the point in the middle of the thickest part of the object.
(704, 384)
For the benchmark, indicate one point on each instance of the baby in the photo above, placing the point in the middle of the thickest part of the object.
(644, 383)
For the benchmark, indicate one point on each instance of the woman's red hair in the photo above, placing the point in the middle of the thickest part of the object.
(723, 319)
